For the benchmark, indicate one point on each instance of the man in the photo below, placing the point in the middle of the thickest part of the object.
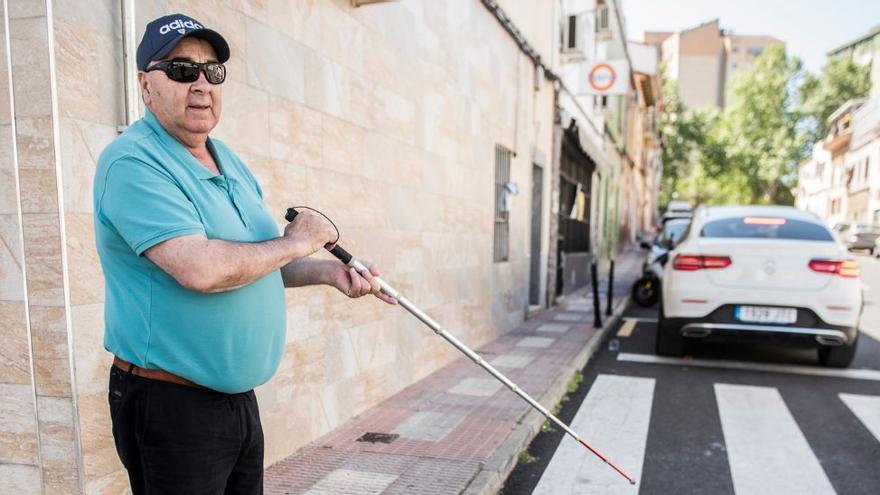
(195, 273)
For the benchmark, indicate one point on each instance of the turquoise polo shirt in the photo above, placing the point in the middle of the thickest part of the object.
(148, 188)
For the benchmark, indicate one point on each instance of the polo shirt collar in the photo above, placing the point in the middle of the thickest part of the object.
(180, 150)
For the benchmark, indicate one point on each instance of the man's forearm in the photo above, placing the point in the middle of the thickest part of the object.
(213, 265)
(307, 271)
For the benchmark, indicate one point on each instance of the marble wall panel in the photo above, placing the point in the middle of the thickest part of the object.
(88, 69)
(51, 353)
(275, 62)
(30, 63)
(343, 146)
(295, 133)
(83, 266)
(81, 145)
(327, 86)
(18, 426)
(99, 450)
(19, 9)
(34, 140)
(20, 479)
(342, 37)
(283, 184)
(15, 366)
(244, 125)
(92, 360)
(8, 190)
(58, 449)
(42, 251)
(11, 270)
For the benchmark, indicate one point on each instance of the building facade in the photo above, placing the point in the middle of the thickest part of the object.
(840, 182)
(703, 59)
(609, 143)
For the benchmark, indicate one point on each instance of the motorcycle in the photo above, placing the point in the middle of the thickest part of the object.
(646, 290)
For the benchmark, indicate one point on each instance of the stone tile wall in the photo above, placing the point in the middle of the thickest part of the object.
(47, 455)
(385, 117)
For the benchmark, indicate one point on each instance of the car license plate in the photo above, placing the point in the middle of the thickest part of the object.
(762, 314)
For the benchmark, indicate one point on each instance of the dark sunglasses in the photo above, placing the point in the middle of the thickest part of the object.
(186, 72)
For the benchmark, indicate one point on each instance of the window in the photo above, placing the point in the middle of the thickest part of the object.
(865, 172)
(501, 245)
(756, 50)
(601, 16)
(572, 32)
(766, 228)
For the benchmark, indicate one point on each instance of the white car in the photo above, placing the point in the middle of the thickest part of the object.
(771, 273)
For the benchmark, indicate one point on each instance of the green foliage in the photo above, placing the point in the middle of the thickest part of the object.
(526, 458)
(575, 382)
(841, 80)
(748, 154)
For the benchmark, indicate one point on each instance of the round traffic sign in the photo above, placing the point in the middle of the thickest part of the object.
(602, 76)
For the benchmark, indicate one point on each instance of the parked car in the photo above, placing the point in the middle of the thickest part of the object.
(858, 235)
(761, 273)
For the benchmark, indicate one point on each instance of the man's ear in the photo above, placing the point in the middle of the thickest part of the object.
(144, 85)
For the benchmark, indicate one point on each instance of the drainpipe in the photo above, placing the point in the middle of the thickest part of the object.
(129, 65)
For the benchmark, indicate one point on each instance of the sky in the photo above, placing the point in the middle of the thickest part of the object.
(809, 28)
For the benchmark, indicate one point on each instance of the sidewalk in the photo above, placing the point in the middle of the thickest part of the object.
(458, 430)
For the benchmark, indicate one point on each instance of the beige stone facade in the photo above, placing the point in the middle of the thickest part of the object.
(386, 117)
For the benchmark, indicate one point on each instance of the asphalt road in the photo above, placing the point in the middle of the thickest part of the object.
(728, 419)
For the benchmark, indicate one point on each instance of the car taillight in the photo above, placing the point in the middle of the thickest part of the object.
(691, 262)
(844, 268)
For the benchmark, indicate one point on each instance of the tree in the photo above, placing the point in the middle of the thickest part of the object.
(748, 154)
(759, 131)
(841, 80)
(683, 133)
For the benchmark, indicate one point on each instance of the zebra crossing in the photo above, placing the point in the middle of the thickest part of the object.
(765, 447)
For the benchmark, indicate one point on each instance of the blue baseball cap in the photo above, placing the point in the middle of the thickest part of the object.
(164, 33)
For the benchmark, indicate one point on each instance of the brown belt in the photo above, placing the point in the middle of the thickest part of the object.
(160, 375)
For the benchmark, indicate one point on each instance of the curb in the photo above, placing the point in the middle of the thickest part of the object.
(495, 470)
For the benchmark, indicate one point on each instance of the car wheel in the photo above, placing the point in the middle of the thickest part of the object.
(669, 343)
(838, 356)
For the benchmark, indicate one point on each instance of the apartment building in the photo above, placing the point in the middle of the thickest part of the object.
(703, 59)
(840, 182)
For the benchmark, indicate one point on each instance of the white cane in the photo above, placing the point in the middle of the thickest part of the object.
(353, 262)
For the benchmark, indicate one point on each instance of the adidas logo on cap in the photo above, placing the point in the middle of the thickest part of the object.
(180, 26)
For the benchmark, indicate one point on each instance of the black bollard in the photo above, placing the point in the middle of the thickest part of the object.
(610, 289)
(597, 308)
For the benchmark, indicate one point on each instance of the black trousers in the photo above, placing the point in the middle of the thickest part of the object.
(178, 439)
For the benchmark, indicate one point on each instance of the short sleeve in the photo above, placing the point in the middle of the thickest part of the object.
(146, 206)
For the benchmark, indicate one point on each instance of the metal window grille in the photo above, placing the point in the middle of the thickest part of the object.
(501, 246)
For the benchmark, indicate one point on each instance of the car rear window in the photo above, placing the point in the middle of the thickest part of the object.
(765, 228)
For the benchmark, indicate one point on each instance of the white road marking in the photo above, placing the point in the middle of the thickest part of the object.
(614, 418)
(766, 450)
(627, 328)
(855, 374)
(866, 408)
